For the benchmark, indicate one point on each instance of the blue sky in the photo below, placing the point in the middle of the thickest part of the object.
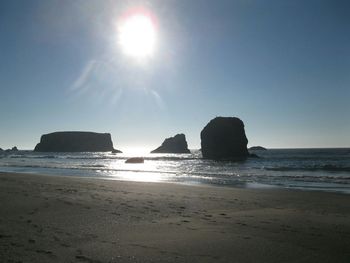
(281, 66)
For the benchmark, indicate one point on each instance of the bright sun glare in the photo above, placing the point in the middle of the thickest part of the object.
(137, 35)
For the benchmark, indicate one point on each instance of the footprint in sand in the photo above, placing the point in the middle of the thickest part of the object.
(46, 252)
(16, 244)
(86, 259)
(64, 245)
(5, 236)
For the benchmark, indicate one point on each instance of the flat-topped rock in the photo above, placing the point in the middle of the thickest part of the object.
(75, 141)
(224, 138)
(176, 144)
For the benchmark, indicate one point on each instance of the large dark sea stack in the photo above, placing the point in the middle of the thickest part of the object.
(224, 138)
(74, 141)
(176, 144)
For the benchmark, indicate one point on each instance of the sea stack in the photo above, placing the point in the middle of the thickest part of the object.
(224, 138)
(176, 144)
(74, 141)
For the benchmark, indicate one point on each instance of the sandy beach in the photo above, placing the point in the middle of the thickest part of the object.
(69, 219)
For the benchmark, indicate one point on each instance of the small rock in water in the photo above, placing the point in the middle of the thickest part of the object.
(135, 160)
(257, 148)
(13, 149)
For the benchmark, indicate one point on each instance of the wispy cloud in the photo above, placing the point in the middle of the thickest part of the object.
(84, 75)
(116, 96)
(158, 99)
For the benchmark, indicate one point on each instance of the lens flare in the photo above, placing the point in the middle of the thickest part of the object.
(137, 34)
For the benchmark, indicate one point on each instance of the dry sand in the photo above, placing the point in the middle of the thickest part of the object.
(67, 219)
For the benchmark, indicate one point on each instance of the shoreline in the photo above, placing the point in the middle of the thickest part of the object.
(316, 170)
(66, 219)
(239, 185)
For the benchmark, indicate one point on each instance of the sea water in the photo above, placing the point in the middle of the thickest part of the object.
(312, 169)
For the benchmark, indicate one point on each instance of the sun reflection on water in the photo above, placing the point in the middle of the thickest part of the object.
(140, 176)
(145, 172)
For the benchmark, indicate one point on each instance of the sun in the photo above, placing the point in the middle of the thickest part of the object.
(137, 34)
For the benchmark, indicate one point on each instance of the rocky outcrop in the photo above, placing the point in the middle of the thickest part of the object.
(13, 149)
(257, 148)
(176, 144)
(224, 138)
(135, 160)
(73, 141)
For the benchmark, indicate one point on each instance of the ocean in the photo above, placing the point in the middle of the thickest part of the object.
(310, 169)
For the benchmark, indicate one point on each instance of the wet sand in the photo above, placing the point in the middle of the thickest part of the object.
(67, 219)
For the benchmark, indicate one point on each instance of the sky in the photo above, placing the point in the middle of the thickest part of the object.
(281, 66)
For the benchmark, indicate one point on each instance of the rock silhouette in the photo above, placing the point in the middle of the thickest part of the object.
(13, 149)
(176, 144)
(74, 141)
(135, 160)
(257, 148)
(224, 138)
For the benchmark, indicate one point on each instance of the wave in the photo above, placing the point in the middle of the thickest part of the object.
(93, 165)
(218, 174)
(158, 158)
(326, 167)
(104, 168)
(22, 156)
(149, 158)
